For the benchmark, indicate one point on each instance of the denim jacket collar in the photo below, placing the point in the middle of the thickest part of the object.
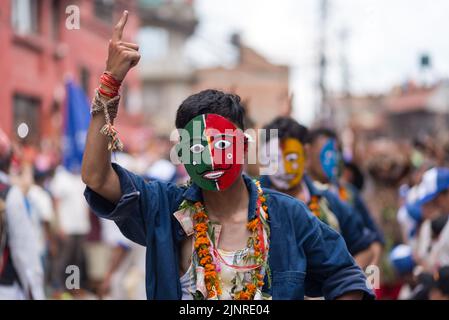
(314, 191)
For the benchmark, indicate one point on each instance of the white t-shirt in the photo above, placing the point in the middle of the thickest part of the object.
(42, 207)
(71, 206)
(439, 256)
(407, 224)
(42, 203)
(24, 242)
(162, 170)
(128, 281)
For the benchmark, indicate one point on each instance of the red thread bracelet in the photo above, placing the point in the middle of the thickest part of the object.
(107, 94)
(109, 82)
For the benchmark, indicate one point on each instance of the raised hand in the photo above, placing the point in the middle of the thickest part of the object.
(122, 56)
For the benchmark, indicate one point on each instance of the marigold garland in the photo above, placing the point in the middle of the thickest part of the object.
(203, 249)
(343, 193)
(314, 206)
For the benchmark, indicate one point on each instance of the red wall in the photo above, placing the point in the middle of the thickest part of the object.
(30, 65)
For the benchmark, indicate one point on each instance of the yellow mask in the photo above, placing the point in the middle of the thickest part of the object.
(291, 166)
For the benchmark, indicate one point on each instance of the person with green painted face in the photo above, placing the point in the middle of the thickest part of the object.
(222, 236)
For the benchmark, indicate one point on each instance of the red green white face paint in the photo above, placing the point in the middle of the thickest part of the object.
(212, 151)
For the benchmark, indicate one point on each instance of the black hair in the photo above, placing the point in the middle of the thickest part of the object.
(287, 128)
(443, 279)
(425, 283)
(211, 101)
(314, 134)
(438, 225)
(5, 162)
(358, 180)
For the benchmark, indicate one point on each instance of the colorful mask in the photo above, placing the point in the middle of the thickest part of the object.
(291, 164)
(212, 151)
(329, 158)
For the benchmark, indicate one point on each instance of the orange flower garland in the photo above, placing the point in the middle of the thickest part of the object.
(202, 245)
(314, 206)
(343, 193)
(203, 248)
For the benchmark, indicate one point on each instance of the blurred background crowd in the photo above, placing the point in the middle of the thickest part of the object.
(391, 131)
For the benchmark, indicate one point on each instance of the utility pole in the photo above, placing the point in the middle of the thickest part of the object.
(344, 63)
(323, 110)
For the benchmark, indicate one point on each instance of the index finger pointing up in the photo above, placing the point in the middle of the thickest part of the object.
(118, 30)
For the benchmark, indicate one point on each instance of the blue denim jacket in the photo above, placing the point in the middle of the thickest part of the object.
(359, 206)
(353, 231)
(305, 256)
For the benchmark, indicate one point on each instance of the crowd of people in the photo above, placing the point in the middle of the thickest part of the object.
(327, 218)
(47, 228)
(395, 196)
(391, 210)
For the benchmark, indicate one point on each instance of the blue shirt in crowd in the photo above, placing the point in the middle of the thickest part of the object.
(306, 257)
(358, 205)
(352, 229)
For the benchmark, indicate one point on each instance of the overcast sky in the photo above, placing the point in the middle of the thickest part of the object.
(385, 39)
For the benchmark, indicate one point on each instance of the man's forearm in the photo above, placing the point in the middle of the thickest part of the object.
(364, 258)
(96, 160)
(376, 248)
(97, 171)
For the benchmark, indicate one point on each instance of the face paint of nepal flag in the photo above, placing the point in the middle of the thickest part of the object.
(215, 148)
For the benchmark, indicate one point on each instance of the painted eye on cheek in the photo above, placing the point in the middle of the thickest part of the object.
(329, 155)
(197, 148)
(291, 157)
(222, 144)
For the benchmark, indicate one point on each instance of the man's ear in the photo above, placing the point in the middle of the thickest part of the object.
(246, 141)
(179, 151)
(307, 149)
(307, 154)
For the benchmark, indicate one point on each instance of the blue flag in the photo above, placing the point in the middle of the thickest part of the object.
(76, 123)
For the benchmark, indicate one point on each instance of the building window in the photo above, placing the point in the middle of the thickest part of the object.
(25, 16)
(55, 19)
(26, 118)
(153, 97)
(154, 43)
(104, 10)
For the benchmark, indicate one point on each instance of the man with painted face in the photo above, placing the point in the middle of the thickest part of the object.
(324, 158)
(222, 236)
(324, 166)
(291, 179)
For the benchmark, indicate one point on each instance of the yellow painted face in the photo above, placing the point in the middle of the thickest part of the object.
(291, 169)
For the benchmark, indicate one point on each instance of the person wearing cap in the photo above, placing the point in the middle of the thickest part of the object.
(21, 270)
(433, 200)
(401, 259)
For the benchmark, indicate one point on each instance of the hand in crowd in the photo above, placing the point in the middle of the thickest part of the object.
(122, 55)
